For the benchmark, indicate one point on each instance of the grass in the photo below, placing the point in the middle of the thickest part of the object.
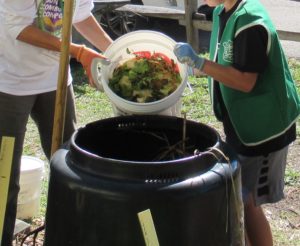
(292, 177)
(93, 105)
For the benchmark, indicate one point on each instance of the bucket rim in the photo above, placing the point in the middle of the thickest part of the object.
(39, 164)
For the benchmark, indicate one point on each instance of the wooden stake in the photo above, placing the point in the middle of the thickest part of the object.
(61, 93)
(6, 157)
(191, 32)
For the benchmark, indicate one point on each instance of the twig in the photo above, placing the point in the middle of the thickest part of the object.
(184, 133)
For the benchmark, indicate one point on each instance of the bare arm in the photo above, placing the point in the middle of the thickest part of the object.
(36, 37)
(227, 75)
(89, 28)
(94, 33)
(231, 77)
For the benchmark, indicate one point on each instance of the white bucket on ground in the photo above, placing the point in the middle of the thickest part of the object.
(32, 173)
(117, 52)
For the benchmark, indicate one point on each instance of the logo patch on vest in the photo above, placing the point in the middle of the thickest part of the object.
(228, 51)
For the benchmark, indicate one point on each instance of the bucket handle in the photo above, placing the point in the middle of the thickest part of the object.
(191, 91)
(96, 65)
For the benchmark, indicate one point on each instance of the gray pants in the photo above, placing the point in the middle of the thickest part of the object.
(14, 114)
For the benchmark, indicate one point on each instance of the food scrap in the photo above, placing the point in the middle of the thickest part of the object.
(147, 77)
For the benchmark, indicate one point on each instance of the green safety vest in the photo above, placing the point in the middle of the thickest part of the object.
(273, 105)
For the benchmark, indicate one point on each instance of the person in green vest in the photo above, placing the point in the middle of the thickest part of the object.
(254, 96)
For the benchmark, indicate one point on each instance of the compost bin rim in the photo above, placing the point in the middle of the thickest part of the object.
(179, 169)
(95, 164)
(140, 119)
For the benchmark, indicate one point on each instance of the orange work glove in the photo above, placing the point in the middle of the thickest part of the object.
(85, 56)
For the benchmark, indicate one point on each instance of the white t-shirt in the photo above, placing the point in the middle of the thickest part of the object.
(24, 68)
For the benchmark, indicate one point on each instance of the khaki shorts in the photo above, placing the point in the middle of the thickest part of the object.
(263, 176)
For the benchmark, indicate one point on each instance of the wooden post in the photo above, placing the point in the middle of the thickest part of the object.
(191, 32)
(61, 93)
(6, 159)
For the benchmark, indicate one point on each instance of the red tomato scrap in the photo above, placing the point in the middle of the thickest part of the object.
(143, 54)
(147, 55)
(162, 56)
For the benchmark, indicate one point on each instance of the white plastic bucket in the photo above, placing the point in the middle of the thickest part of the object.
(32, 173)
(142, 40)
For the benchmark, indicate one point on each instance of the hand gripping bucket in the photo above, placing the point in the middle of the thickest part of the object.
(142, 41)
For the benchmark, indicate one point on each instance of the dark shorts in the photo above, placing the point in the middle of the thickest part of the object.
(263, 176)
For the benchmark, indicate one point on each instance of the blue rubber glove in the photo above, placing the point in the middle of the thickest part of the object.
(185, 54)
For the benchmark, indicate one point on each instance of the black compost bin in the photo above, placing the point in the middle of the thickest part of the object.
(115, 168)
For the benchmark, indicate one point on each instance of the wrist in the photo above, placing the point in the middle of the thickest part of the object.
(200, 63)
(76, 51)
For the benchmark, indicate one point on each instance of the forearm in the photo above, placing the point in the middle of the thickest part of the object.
(34, 36)
(229, 76)
(94, 33)
(41, 39)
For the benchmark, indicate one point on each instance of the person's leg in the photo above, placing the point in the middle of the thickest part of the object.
(256, 224)
(43, 116)
(14, 113)
(263, 182)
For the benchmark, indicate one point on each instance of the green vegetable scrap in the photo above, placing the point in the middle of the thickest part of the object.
(145, 78)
